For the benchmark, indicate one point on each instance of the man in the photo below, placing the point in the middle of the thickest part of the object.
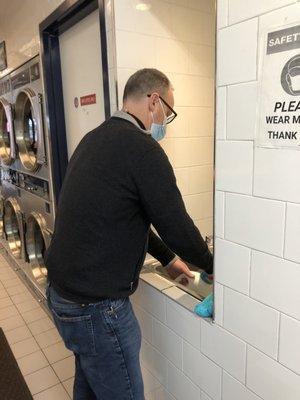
(118, 182)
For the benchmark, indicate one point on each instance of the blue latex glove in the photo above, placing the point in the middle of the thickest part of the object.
(205, 308)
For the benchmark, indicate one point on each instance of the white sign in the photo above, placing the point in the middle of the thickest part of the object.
(279, 93)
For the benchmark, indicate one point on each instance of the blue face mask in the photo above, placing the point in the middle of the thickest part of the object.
(158, 131)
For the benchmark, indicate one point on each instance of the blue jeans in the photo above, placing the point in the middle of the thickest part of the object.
(105, 338)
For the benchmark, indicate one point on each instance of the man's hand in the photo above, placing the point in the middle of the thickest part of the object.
(178, 268)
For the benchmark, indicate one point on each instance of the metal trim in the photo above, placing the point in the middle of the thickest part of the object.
(7, 154)
(13, 226)
(29, 159)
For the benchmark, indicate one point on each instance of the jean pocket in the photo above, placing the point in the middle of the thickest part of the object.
(77, 333)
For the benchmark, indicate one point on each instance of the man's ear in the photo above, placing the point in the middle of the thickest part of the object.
(153, 99)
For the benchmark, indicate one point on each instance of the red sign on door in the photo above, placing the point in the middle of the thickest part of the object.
(89, 99)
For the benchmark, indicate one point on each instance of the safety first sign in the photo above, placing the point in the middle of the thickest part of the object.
(279, 87)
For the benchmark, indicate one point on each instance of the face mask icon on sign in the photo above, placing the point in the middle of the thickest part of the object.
(290, 77)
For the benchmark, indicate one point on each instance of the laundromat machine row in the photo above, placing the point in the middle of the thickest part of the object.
(26, 203)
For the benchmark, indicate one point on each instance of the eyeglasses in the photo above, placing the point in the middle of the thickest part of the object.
(173, 115)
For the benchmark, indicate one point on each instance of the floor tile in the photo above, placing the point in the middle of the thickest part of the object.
(41, 380)
(57, 392)
(3, 294)
(7, 312)
(32, 362)
(57, 352)
(48, 338)
(27, 305)
(24, 347)
(21, 297)
(34, 315)
(18, 334)
(65, 369)
(5, 302)
(68, 384)
(21, 288)
(40, 326)
(12, 323)
(11, 282)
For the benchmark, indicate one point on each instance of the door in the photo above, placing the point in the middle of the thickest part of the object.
(82, 81)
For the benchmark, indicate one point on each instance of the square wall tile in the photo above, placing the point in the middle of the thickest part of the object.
(56, 392)
(180, 126)
(200, 206)
(191, 152)
(65, 368)
(276, 174)
(168, 343)
(206, 117)
(288, 343)
(233, 389)
(252, 321)
(292, 248)
(146, 322)
(135, 50)
(222, 13)
(200, 179)
(202, 371)
(182, 179)
(232, 265)
(56, 352)
(170, 55)
(241, 111)
(221, 101)
(270, 380)
(255, 222)
(32, 362)
(219, 213)
(237, 46)
(218, 303)
(183, 322)
(152, 301)
(201, 60)
(282, 16)
(180, 386)
(234, 166)
(205, 226)
(192, 26)
(276, 282)
(224, 349)
(25, 347)
(238, 12)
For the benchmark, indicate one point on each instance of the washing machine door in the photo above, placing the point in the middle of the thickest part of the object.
(38, 239)
(13, 226)
(29, 129)
(1, 217)
(7, 140)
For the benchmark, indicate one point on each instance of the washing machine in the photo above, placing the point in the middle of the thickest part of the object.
(7, 139)
(12, 215)
(27, 100)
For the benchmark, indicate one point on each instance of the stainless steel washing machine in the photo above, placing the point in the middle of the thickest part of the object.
(27, 99)
(7, 138)
(38, 214)
(13, 218)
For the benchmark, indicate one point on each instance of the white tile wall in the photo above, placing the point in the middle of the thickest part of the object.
(234, 166)
(184, 324)
(276, 282)
(289, 343)
(218, 303)
(222, 14)
(276, 174)
(224, 349)
(219, 214)
(292, 248)
(202, 371)
(269, 379)
(254, 222)
(180, 386)
(233, 389)
(241, 111)
(232, 265)
(238, 11)
(252, 321)
(237, 53)
(168, 343)
(221, 113)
